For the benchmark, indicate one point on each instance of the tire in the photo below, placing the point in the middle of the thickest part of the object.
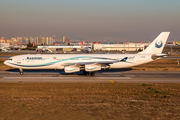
(92, 74)
(86, 73)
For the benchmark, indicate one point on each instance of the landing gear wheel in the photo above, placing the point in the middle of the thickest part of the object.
(86, 73)
(21, 73)
(92, 74)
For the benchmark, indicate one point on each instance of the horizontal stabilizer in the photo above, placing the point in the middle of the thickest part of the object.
(124, 59)
(156, 56)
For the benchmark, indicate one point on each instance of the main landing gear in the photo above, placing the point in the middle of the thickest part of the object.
(21, 71)
(88, 73)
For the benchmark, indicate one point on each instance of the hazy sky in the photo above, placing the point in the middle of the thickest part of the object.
(96, 20)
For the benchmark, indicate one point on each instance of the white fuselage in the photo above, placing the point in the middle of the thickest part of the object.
(56, 61)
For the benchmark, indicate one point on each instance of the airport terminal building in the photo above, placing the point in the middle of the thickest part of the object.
(118, 47)
(97, 47)
(61, 47)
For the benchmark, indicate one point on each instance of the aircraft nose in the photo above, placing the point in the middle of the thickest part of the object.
(5, 62)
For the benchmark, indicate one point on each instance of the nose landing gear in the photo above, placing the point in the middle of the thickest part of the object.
(21, 71)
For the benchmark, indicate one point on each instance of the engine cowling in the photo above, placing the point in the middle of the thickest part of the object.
(92, 67)
(71, 69)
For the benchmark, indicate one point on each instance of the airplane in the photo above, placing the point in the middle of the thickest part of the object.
(5, 49)
(169, 44)
(18, 47)
(85, 49)
(89, 63)
(44, 49)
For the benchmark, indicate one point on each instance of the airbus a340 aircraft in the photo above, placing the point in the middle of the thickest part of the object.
(89, 62)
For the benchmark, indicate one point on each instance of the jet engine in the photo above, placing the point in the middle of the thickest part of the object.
(71, 69)
(92, 67)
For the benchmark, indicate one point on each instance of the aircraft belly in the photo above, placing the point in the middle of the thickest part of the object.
(129, 63)
(121, 65)
(42, 67)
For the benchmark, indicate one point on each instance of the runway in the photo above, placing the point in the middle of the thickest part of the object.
(100, 77)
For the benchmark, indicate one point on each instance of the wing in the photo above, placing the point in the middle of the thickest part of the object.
(96, 62)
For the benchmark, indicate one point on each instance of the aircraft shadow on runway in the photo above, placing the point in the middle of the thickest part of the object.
(61, 72)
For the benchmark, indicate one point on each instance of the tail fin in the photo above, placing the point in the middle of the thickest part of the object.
(81, 43)
(156, 47)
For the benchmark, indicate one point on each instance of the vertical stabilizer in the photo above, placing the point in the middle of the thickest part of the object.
(157, 46)
(178, 42)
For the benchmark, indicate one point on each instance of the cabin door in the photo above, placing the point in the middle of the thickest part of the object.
(18, 61)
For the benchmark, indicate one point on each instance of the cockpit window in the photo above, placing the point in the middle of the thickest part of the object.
(10, 59)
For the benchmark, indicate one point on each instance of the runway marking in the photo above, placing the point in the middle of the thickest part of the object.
(112, 81)
(74, 78)
(109, 73)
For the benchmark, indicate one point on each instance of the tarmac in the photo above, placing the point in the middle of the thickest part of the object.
(100, 77)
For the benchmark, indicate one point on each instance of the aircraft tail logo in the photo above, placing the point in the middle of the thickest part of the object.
(159, 44)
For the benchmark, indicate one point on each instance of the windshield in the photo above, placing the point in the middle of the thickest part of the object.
(10, 59)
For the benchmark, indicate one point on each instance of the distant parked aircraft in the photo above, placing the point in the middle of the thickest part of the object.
(5, 49)
(170, 44)
(85, 49)
(18, 47)
(44, 49)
